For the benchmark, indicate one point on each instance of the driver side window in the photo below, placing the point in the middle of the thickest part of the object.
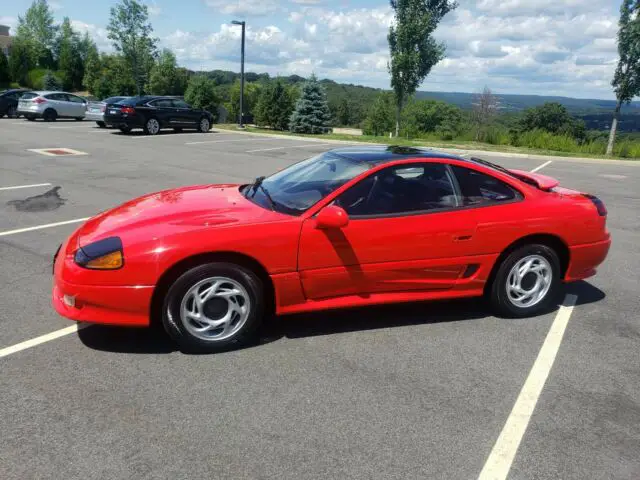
(399, 190)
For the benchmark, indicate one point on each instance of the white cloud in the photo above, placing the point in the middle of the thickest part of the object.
(99, 34)
(55, 6)
(11, 22)
(244, 7)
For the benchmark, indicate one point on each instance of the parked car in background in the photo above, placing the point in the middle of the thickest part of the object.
(153, 113)
(52, 105)
(9, 102)
(95, 110)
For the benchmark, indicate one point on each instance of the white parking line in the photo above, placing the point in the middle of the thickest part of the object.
(283, 148)
(540, 167)
(17, 187)
(159, 135)
(504, 451)
(41, 339)
(73, 126)
(229, 141)
(40, 227)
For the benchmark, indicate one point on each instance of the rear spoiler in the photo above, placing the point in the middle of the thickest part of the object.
(537, 180)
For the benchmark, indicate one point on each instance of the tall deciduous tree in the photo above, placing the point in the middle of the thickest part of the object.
(414, 51)
(20, 61)
(70, 61)
(311, 113)
(165, 77)
(131, 34)
(379, 119)
(201, 93)
(484, 110)
(39, 31)
(626, 81)
(5, 76)
(92, 69)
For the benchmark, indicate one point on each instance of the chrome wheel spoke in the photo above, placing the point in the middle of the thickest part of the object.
(532, 267)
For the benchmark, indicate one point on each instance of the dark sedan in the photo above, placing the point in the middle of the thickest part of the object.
(9, 102)
(153, 113)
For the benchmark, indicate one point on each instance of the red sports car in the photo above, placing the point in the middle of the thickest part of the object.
(350, 227)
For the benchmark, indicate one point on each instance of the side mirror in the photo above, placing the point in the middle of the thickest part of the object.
(332, 217)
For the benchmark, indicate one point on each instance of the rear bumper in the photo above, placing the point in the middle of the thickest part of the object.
(585, 258)
(123, 121)
(96, 117)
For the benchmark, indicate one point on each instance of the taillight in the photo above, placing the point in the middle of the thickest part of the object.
(39, 100)
(599, 204)
(128, 110)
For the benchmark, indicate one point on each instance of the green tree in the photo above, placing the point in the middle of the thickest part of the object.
(182, 81)
(70, 62)
(92, 69)
(379, 119)
(311, 113)
(164, 78)
(201, 93)
(131, 34)
(20, 61)
(274, 106)
(343, 112)
(626, 80)
(414, 51)
(38, 29)
(429, 116)
(51, 82)
(114, 78)
(251, 94)
(552, 117)
(5, 76)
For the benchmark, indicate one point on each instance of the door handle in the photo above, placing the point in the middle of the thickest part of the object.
(462, 238)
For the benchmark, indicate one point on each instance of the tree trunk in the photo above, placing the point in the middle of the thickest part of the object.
(398, 112)
(614, 128)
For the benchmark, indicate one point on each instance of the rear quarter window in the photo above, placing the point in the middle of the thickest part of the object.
(481, 189)
(29, 96)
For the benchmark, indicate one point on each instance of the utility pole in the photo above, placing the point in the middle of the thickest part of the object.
(241, 119)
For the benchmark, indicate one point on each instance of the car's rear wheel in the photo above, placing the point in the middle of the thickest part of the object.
(214, 307)
(152, 126)
(204, 126)
(101, 124)
(12, 112)
(527, 282)
(50, 115)
(125, 129)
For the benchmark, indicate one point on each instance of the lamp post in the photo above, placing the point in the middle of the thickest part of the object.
(237, 22)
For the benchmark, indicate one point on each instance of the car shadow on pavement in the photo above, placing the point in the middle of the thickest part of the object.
(154, 340)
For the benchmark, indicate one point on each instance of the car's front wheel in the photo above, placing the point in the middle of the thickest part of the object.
(101, 124)
(152, 126)
(50, 115)
(214, 307)
(205, 125)
(527, 282)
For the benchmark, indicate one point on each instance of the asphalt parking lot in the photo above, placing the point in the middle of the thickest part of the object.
(407, 392)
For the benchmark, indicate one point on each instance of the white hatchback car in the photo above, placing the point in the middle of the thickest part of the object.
(52, 105)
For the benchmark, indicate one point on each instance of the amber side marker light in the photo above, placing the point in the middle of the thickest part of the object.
(104, 254)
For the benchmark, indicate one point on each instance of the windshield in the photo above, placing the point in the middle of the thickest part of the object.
(298, 187)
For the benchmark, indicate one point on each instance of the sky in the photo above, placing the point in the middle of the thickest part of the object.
(544, 47)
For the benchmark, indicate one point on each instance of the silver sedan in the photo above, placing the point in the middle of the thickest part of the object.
(95, 110)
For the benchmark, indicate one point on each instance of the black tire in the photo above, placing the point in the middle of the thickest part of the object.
(204, 125)
(178, 129)
(150, 126)
(1, 115)
(125, 129)
(497, 290)
(187, 341)
(12, 112)
(50, 115)
(101, 124)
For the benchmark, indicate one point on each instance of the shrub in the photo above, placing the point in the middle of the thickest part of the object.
(201, 93)
(51, 82)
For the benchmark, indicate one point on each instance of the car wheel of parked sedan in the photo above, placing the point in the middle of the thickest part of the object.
(214, 307)
(527, 282)
(101, 124)
(125, 129)
(152, 126)
(204, 125)
(50, 115)
(12, 112)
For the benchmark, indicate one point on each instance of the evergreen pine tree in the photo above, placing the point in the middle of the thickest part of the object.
(51, 82)
(311, 114)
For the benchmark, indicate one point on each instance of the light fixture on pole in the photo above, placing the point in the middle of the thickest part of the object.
(241, 120)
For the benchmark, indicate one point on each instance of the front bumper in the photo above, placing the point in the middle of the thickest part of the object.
(583, 259)
(124, 305)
